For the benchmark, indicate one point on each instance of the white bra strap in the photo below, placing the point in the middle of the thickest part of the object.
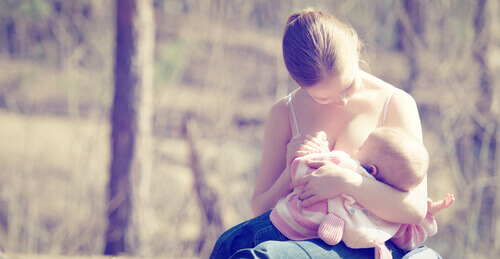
(293, 116)
(387, 106)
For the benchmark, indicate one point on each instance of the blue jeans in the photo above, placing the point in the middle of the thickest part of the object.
(317, 249)
(246, 235)
(258, 238)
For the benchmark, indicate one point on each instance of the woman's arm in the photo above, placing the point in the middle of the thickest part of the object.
(380, 199)
(403, 112)
(330, 180)
(273, 178)
(278, 152)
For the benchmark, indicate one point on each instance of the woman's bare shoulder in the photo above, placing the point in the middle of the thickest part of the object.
(282, 106)
(279, 108)
(402, 100)
(277, 122)
(403, 112)
(385, 88)
(402, 109)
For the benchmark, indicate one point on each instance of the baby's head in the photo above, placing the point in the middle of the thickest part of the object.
(394, 157)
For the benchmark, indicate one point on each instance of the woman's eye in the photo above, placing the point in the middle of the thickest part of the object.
(321, 99)
(347, 91)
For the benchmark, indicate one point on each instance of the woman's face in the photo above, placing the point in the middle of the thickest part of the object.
(334, 89)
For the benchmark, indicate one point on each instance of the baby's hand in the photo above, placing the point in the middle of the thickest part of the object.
(306, 145)
(434, 207)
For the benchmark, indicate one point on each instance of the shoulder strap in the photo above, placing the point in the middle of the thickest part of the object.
(293, 116)
(386, 106)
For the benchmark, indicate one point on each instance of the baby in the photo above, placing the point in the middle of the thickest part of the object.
(390, 155)
(394, 157)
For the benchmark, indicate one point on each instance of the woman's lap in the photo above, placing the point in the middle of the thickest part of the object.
(317, 249)
(250, 239)
(246, 235)
(314, 248)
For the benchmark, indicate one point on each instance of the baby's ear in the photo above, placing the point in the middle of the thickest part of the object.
(373, 170)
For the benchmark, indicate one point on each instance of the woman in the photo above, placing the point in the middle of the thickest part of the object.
(321, 54)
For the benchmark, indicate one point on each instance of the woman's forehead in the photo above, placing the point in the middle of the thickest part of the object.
(338, 81)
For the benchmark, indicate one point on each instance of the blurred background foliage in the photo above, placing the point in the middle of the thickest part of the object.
(218, 62)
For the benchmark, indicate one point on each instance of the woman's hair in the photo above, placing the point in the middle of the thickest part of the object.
(403, 156)
(317, 44)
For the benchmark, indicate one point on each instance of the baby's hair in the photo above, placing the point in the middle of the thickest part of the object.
(404, 154)
(317, 44)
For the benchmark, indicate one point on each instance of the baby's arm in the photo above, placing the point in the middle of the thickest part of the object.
(410, 236)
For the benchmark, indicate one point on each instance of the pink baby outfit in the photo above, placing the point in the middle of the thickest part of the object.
(410, 237)
(335, 219)
(341, 217)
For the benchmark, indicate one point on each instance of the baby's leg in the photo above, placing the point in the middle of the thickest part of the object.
(434, 207)
(331, 228)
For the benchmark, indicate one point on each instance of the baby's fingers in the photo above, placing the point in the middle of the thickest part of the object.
(314, 142)
(303, 144)
(320, 135)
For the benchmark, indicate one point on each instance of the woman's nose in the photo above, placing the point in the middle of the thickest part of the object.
(343, 100)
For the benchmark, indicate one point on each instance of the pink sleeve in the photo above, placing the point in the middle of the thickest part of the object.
(410, 237)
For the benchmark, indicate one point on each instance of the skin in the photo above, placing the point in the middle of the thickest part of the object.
(435, 207)
(347, 122)
(365, 155)
(368, 157)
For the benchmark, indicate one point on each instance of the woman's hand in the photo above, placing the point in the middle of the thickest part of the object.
(327, 181)
(302, 146)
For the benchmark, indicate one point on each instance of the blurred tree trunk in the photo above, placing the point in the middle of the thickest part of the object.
(211, 217)
(12, 37)
(409, 28)
(131, 127)
(482, 39)
(483, 140)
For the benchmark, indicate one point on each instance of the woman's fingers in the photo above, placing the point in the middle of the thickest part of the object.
(301, 153)
(306, 194)
(310, 201)
(300, 182)
(315, 164)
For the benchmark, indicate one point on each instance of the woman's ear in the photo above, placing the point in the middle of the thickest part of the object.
(373, 170)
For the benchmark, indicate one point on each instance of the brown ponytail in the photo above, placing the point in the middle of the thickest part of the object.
(317, 44)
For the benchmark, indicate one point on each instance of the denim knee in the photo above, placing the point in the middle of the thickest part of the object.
(222, 247)
(245, 235)
(422, 252)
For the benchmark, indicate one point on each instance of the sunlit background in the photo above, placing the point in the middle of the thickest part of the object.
(218, 65)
